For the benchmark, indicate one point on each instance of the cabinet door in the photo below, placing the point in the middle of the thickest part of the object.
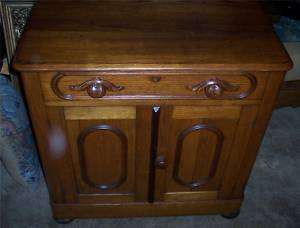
(194, 147)
(110, 151)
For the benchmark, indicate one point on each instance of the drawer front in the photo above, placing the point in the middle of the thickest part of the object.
(71, 86)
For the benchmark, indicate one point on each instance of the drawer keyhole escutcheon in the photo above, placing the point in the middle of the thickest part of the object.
(155, 78)
(96, 88)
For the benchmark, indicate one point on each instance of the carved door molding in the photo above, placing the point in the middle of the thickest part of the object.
(193, 185)
(124, 142)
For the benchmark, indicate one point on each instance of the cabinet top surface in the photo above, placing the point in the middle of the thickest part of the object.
(102, 35)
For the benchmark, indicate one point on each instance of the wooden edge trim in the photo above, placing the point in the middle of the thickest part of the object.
(144, 209)
(190, 112)
(125, 101)
(90, 113)
(284, 66)
(191, 196)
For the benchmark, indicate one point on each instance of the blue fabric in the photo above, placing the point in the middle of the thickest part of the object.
(288, 29)
(16, 136)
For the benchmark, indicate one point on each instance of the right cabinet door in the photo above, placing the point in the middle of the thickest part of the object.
(199, 151)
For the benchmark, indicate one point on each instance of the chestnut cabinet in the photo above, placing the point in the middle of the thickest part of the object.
(152, 112)
(107, 153)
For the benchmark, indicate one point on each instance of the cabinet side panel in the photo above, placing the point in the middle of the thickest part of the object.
(241, 139)
(258, 130)
(54, 166)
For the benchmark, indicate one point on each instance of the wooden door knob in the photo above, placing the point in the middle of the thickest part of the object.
(160, 162)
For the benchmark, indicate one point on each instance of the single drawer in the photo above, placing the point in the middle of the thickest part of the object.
(87, 86)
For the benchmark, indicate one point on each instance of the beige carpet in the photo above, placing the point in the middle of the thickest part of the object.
(272, 197)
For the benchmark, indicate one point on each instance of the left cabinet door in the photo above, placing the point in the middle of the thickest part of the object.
(110, 151)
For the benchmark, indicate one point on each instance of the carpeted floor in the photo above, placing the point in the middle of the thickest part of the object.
(272, 197)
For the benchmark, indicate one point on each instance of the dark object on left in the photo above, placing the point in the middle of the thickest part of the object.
(2, 44)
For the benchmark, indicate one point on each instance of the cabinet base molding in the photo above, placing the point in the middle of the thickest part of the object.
(72, 211)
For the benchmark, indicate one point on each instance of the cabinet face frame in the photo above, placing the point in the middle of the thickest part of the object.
(61, 182)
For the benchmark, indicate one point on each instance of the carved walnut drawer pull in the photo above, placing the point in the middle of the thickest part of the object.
(96, 88)
(214, 88)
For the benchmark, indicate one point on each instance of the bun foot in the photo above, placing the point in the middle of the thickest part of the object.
(231, 215)
(63, 221)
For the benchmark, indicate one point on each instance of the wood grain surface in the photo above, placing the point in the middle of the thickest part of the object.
(95, 35)
(189, 87)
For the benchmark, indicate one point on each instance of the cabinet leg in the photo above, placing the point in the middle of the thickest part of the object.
(63, 221)
(231, 215)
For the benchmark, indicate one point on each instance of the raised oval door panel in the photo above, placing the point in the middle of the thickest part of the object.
(108, 162)
(194, 145)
